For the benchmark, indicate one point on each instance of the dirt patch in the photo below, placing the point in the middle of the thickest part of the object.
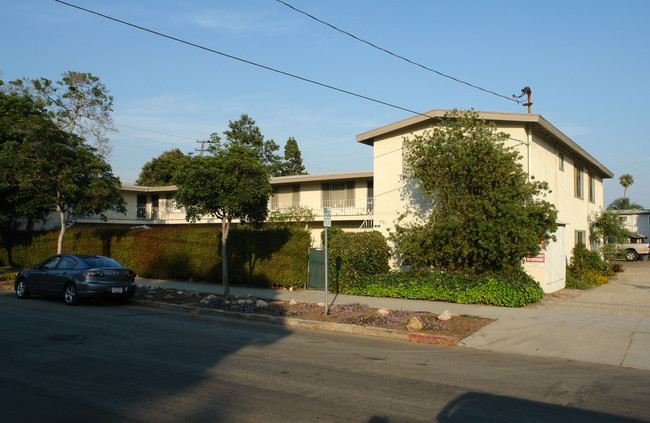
(551, 300)
(355, 314)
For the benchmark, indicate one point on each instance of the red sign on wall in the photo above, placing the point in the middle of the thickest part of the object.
(538, 259)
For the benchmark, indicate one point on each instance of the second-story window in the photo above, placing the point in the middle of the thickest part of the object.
(338, 194)
(295, 195)
(141, 206)
(592, 188)
(578, 181)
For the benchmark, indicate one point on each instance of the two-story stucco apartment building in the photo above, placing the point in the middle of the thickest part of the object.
(366, 200)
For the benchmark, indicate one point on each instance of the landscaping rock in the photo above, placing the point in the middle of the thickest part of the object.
(244, 296)
(261, 304)
(445, 315)
(169, 297)
(180, 292)
(383, 312)
(292, 302)
(211, 297)
(414, 324)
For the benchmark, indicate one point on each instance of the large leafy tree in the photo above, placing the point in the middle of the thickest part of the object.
(625, 180)
(83, 184)
(79, 104)
(160, 170)
(24, 132)
(484, 212)
(230, 183)
(623, 203)
(46, 169)
(292, 164)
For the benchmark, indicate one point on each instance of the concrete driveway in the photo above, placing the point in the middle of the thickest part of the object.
(609, 324)
(627, 294)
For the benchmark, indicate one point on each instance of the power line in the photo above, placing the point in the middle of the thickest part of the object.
(394, 54)
(153, 141)
(154, 132)
(230, 56)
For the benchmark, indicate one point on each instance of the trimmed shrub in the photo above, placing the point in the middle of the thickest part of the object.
(514, 289)
(353, 255)
(273, 257)
(587, 269)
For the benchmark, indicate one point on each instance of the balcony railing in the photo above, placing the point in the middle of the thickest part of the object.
(337, 208)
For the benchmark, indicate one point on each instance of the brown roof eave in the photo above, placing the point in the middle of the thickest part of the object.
(560, 139)
(138, 188)
(322, 177)
(566, 143)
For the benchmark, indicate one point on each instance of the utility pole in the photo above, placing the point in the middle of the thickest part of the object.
(202, 146)
(528, 92)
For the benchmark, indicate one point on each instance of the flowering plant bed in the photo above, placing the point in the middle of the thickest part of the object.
(362, 315)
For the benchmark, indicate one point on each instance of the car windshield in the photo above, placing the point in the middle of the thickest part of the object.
(103, 262)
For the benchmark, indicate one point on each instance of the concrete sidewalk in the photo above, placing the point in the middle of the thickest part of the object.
(605, 333)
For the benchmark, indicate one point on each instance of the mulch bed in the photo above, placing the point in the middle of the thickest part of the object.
(356, 314)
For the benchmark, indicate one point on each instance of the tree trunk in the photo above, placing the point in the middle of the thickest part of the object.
(225, 227)
(59, 247)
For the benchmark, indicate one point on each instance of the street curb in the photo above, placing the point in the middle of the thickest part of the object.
(422, 338)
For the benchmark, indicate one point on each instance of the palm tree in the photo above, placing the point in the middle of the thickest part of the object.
(625, 181)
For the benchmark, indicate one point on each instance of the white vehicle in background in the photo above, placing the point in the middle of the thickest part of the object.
(636, 248)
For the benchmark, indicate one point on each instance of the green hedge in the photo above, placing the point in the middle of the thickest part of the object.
(353, 255)
(271, 257)
(509, 290)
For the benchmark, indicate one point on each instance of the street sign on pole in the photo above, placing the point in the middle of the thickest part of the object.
(327, 222)
(327, 217)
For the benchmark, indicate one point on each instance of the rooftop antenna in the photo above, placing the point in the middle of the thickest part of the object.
(528, 92)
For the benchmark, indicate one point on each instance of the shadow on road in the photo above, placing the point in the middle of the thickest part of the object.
(101, 362)
(478, 407)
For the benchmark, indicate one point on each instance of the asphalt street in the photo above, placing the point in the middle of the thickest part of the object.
(101, 362)
(609, 324)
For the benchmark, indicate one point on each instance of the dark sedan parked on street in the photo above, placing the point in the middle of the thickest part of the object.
(75, 277)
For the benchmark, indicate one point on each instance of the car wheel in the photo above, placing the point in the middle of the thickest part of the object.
(631, 255)
(70, 294)
(22, 291)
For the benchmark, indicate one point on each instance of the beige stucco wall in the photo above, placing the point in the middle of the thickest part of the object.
(311, 196)
(539, 158)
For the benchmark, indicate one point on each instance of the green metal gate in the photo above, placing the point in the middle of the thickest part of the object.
(316, 268)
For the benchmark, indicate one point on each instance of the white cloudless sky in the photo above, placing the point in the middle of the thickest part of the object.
(587, 63)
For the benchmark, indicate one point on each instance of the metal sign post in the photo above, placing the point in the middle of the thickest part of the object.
(327, 222)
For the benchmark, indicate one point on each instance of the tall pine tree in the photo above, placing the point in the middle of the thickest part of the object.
(292, 164)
